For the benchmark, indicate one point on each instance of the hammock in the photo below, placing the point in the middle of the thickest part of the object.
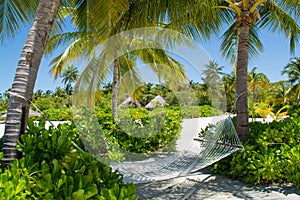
(219, 141)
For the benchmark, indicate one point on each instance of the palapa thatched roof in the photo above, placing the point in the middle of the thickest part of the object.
(130, 101)
(158, 101)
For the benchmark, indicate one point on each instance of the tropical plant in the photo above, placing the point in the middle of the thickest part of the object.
(212, 78)
(263, 109)
(292, 69)
(229, 85)
(69, 76)
(271, 155)
(256, 80)
(13, 15)
(24, 81)
(277, 93)
(122, 15)
(212, 72)
(54, 168)
(279, 114)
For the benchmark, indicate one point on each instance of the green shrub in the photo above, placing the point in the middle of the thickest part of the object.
(271, 155)
(137, 130)
(53, 168)
(145, 131)
(59, 114)
(199, 111)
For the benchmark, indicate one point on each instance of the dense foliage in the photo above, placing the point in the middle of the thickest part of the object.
(272, 154)
(54, 168)
(199, 111)
(137, 130)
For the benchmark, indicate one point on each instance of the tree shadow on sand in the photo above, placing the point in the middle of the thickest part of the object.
(205, 185)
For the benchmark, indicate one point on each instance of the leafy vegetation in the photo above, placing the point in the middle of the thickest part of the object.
(136, 131)
(271, 154)
(199, 111)
(53, 168)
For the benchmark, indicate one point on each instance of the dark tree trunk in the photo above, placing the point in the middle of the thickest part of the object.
(25, 77)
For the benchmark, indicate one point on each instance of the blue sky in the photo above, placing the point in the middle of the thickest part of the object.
(271, 61)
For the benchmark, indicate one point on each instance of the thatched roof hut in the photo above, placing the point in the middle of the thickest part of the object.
(158, 101)
(129, 101)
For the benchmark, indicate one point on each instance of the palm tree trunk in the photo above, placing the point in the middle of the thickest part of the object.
(115, 88)
(24, 81)
(241, 83)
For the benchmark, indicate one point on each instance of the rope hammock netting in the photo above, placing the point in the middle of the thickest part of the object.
(217, 142)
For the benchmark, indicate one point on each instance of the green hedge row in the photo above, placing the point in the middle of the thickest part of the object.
(199, 111)
(136, 130)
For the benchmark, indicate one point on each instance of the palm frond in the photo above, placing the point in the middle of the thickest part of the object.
(13, 15)
(274, 18)
(60, 40)
(74, 52)
(199, 21)
(229, 43)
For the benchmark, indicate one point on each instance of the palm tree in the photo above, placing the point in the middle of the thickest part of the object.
(69, 76)
(107, 88)
(256, 80)
(24, 81)
(292, 69)
(229, 85)
(48, 93)
(278, 93)
(37, 94)
(212, 72)
(121, 16)
(241, 40)
(59, 92)
(212, 78)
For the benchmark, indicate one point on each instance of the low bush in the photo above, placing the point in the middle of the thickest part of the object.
(59, 114)
(53, 168)
(199, 111)
(141, 131)
(271, 155)
(136, 130)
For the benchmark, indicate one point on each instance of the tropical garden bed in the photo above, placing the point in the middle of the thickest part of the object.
(271, 155)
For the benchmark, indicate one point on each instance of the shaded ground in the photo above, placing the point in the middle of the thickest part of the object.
(205, 185)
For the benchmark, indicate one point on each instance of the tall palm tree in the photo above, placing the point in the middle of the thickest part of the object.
(256, 80)
(229, 85)
(292, 69)
(212, 72)
(241, 40)
(69, 76)
(212, 77)
(24, 81)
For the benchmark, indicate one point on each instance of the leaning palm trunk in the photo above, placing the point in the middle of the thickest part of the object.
(115, 88)
(241, 82)
(24, 81)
